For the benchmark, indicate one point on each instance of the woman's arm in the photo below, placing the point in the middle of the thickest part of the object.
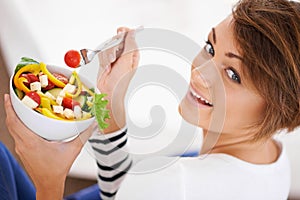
(42, 159)
(109, 145)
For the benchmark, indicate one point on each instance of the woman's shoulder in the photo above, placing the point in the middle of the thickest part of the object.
(221, 161)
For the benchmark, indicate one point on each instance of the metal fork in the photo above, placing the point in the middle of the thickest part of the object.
(88, 55)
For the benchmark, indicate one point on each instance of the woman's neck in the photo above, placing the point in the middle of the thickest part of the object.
(260, 152)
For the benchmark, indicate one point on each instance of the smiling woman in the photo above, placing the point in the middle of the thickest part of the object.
(244, 87)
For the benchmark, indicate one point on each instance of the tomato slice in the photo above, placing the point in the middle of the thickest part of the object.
(30, 78)
(69, 103)
(61, 77)
(34, 96)
(72, 58)
(49, 86)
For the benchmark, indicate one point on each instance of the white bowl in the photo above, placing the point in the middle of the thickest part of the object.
(48, 128)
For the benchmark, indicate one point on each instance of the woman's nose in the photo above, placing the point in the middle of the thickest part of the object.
(205, 75)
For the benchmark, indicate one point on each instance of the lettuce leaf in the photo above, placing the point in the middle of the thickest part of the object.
(25, 61)
(100, 111)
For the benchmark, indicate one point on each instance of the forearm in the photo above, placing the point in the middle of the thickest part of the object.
(117, 118)
(51, 191)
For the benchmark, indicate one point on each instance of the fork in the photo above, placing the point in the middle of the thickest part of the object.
(88, 55)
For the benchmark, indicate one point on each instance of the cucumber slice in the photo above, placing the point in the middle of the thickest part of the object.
(55, 91)
(19, 93)
(81, 99)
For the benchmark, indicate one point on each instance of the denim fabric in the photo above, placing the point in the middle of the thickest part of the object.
(14, 182)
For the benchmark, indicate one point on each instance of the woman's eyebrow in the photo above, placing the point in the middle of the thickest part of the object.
(232, 55)
(214, 35)
(229, 54)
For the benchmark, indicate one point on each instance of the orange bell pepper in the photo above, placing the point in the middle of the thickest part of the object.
(21, 85)
(33, 68)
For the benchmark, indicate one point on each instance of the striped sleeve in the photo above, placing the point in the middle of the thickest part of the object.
(113, 161)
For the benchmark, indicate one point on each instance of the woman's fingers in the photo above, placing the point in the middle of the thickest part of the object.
(130, 52)
(122, 30)
(110, 55)
(12, 121)
(23, 137)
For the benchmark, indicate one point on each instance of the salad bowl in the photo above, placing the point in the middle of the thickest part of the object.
(44, 126)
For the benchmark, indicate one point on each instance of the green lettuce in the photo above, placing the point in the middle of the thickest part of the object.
(100, 111)
(25, 61)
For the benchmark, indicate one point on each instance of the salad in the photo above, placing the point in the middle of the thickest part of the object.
(57, 96)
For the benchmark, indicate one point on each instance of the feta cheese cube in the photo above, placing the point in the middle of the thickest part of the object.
(68, 113)
(77, 112)
(29, 102)
(35, 86)
(58, 109)
(49, 95)
(59, 100)
(69, 88)
(62, 93)
(43, 80)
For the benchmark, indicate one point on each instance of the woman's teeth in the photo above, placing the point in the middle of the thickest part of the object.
(201, 99)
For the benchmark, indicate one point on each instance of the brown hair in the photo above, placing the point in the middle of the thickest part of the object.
(267, 33)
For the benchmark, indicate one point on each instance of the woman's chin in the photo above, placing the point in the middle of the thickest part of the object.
(192, 115)
(188, 115)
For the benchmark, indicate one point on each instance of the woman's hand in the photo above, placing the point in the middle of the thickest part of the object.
(115, 75)
(46, 162)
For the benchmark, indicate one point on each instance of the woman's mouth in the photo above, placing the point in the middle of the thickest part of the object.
(199, 98)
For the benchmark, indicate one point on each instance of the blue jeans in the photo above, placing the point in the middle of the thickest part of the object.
(14, 182)
(16, 185)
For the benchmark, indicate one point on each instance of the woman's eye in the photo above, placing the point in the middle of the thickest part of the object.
(233, 75)
(209, 48)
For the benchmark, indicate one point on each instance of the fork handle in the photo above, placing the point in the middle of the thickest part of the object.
(115, 41)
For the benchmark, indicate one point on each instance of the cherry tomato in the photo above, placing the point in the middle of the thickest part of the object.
(69, 103)
(30, 78)
(34, 96)
(72, 58)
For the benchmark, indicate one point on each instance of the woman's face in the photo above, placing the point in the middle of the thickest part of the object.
(218, 99)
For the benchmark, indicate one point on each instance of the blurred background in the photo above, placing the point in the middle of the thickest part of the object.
(45, 30)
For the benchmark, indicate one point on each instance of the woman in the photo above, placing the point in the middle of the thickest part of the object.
(254, 54)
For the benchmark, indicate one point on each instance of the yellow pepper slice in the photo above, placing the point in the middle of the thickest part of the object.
(45, 103)
(50, 114)
(52, 78)
(79, 86)
(21, 85)
(33, 68)
(42, 95)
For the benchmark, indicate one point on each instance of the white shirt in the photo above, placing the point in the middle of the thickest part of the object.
(208, 177)
(213, 176)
